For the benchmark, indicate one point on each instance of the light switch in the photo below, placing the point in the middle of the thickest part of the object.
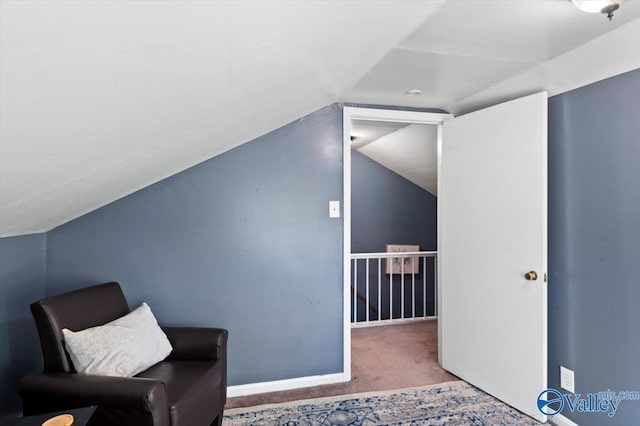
(334, 209)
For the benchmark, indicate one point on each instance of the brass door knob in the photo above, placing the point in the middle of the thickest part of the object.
(531, 276)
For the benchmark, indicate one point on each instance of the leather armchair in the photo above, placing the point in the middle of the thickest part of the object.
(187, 388)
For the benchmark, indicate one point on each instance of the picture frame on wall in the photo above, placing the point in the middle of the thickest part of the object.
(394, 265)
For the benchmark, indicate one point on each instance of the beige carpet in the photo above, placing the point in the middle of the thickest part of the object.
(382, 358)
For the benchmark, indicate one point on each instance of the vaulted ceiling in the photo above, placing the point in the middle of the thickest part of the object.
(410, 150)
(99, 99)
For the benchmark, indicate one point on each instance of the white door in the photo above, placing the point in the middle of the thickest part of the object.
(493, 224)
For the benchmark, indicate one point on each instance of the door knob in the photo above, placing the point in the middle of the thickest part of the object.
(531, 276)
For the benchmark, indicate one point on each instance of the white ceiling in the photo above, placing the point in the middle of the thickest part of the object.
(411, 151)
(99, 99)
(364, 132)
(470, 54)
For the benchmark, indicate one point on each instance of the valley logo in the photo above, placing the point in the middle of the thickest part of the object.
(552, 402)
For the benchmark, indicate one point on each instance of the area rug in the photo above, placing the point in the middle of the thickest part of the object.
(452, 403)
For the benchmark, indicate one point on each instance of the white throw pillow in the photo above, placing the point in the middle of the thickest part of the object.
(121, 348)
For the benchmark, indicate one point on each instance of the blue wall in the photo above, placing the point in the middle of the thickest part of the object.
(388, 209)
(594, 241)
(241, 241)
(22, 270)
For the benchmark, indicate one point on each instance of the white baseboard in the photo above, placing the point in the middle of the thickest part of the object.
(365, 324)
(560, 420)
(287, 384)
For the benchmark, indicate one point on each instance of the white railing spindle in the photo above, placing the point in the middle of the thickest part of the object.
(391, 293)
(379, 290)
(424, 286)
(402, 288)
(413, 288)
(368, 305)
(355, 291)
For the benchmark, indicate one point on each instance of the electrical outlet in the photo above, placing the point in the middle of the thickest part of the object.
(567, 379)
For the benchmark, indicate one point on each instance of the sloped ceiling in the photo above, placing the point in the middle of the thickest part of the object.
(99, 99)
(363, 132)
(411, 151)
(102, 98)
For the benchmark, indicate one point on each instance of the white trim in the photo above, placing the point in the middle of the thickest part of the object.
(560, 420)
(370, 114)
(397, 321)
(439, 244)
(396, 116)
(286, 384)
(347, 114)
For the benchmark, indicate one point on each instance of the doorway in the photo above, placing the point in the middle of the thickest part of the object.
(393, 209)
(492, 175)
(362, 128)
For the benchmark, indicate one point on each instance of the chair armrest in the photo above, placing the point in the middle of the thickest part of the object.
(194, 343)
(43, 391)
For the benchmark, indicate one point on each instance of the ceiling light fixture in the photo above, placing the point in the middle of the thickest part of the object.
(598, 6)
(413, 92)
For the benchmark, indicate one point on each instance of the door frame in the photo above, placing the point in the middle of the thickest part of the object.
(374, 114)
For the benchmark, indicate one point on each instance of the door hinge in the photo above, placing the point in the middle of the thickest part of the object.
(545, 277)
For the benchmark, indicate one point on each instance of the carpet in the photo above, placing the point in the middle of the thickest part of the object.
(452, 403)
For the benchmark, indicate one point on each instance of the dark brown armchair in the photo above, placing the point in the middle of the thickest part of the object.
(187, 388)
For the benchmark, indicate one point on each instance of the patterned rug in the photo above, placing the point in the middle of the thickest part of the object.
(452, 403)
